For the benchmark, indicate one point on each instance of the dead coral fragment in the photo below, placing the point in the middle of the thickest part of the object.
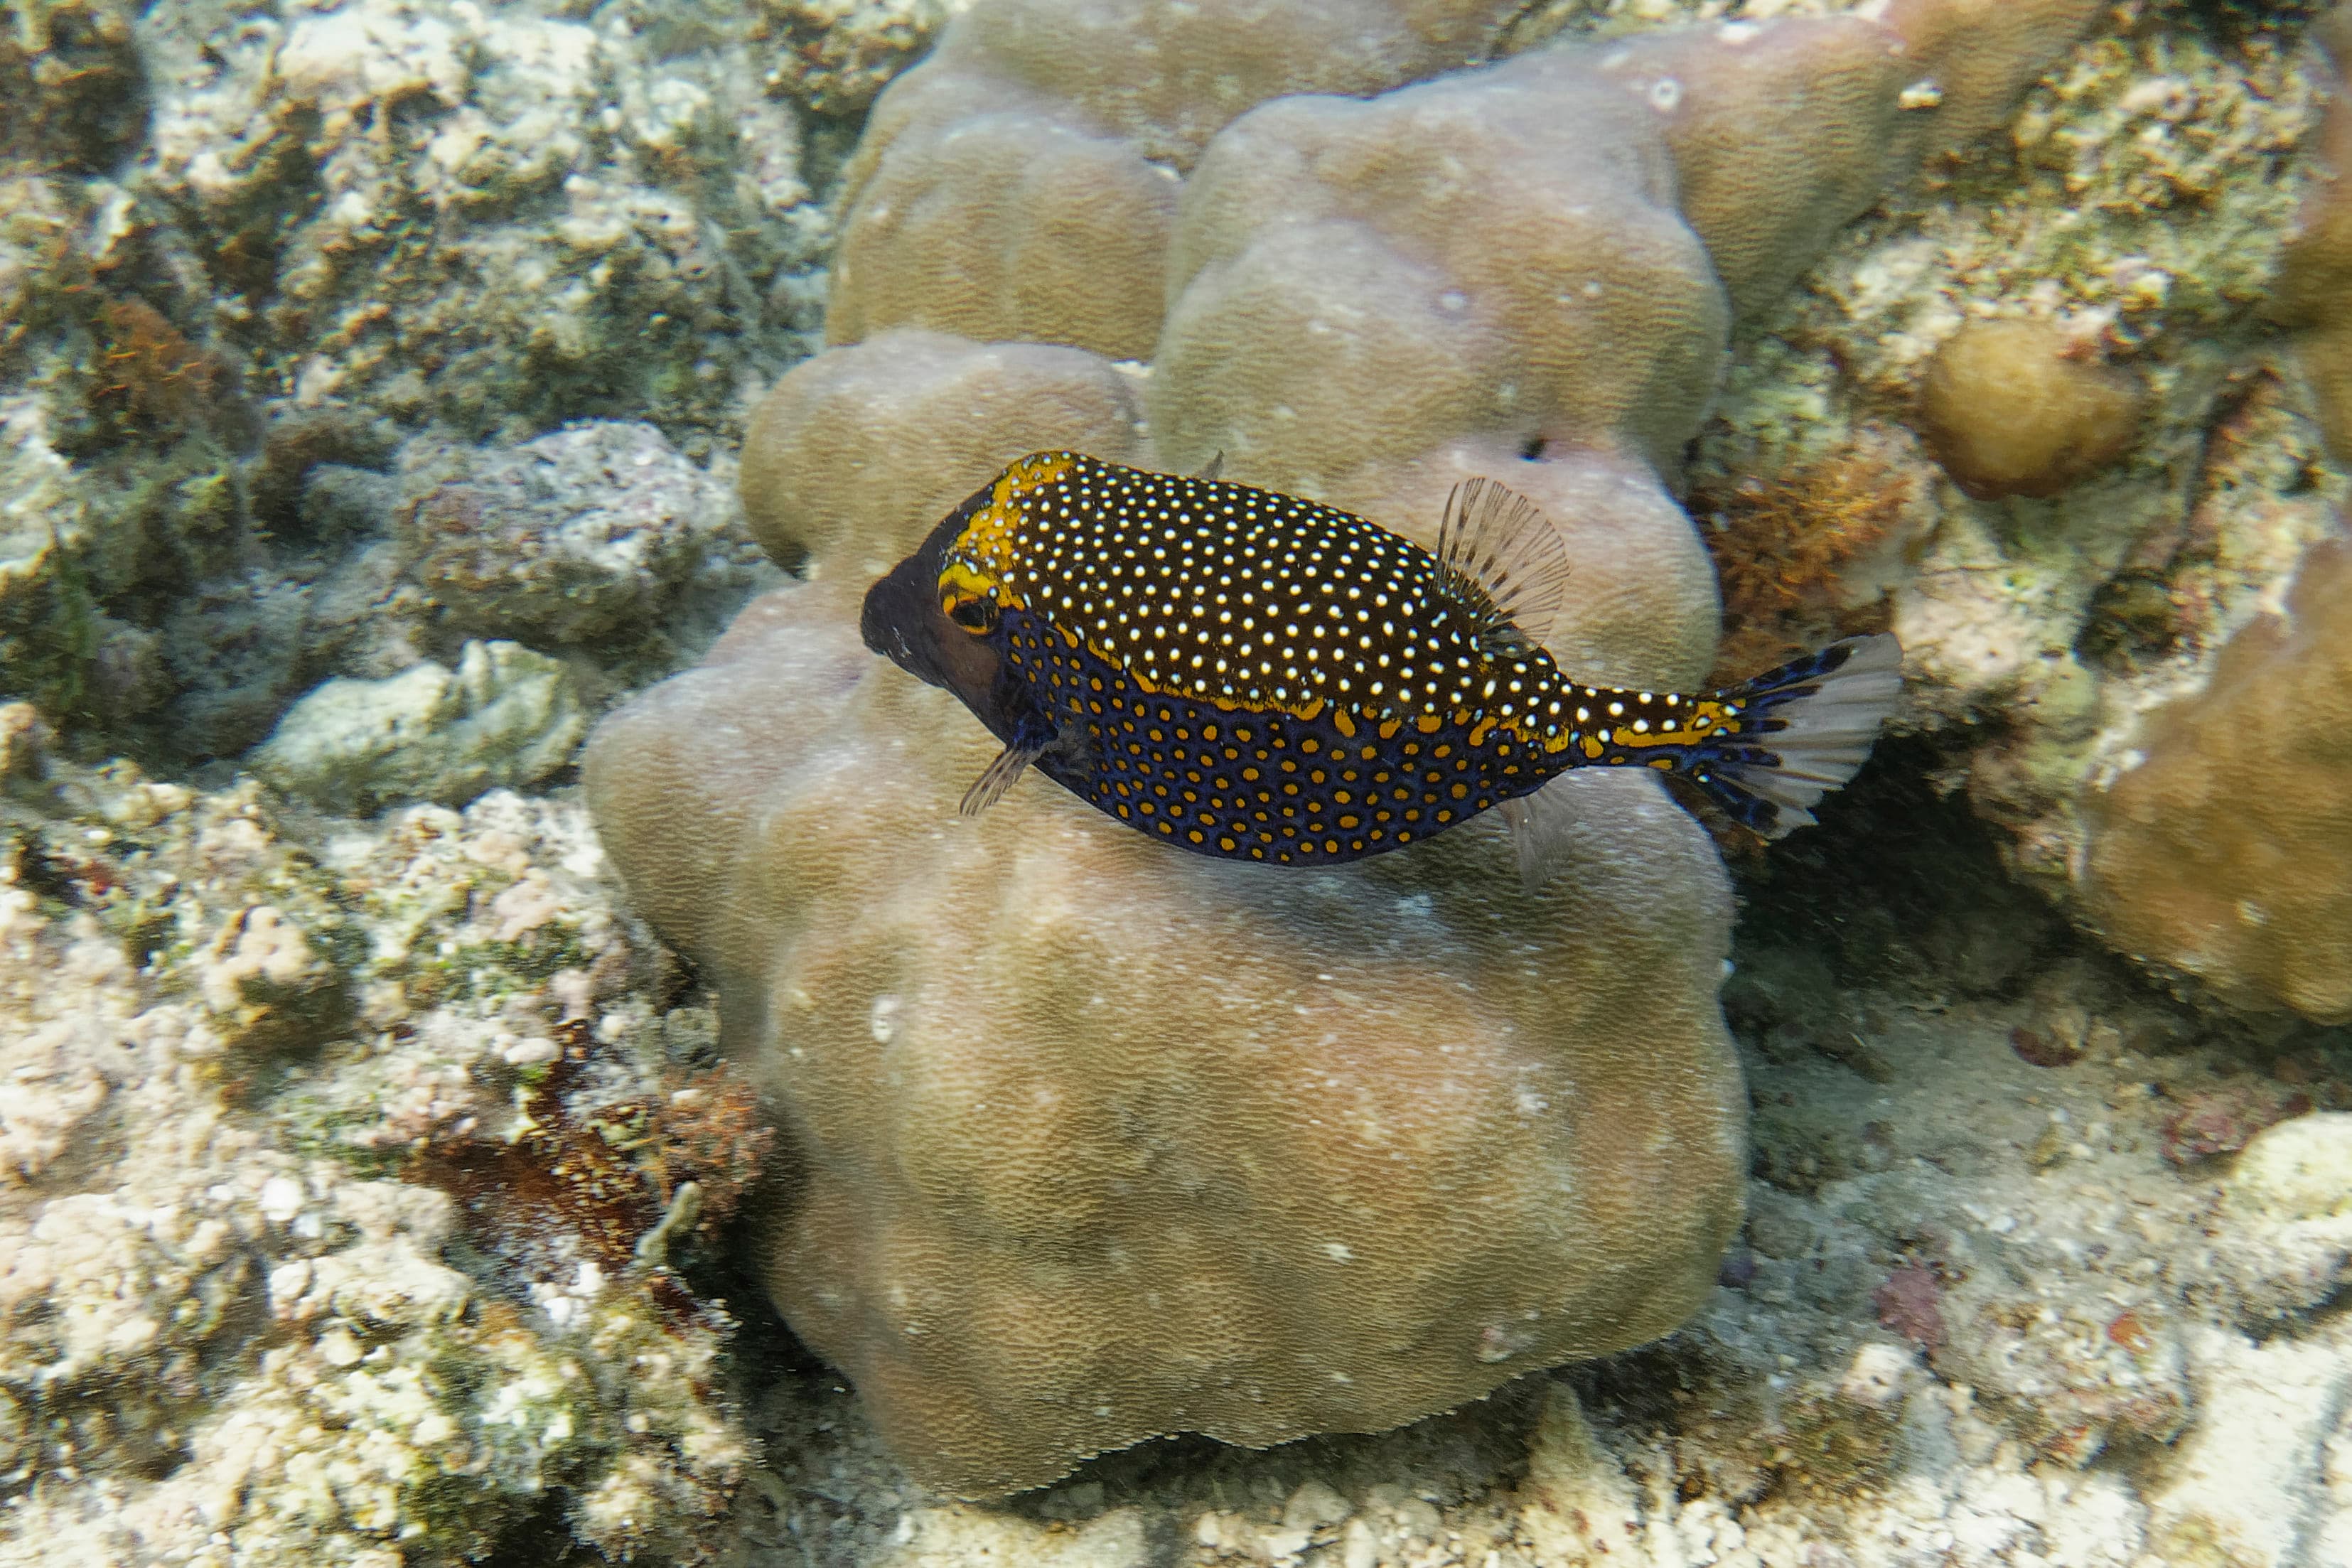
(838, 54)
(2228, 852)
(2022, 408)
(71, 79)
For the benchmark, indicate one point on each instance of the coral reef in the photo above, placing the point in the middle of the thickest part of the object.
(74, 84)
(358, 1181)
(1094, 1142)
(1587, 170)
(1360, 298)
(240, 1318)
(1445, 225)
(2315, 269)
(2144, 211)
(564, 540)
(230, 255)
(838, 54)
(1808, 556)
(2223, 848)
(560, 260)
(2129, 1361)
(856, 454)
(1018, 184)
(2024, 408)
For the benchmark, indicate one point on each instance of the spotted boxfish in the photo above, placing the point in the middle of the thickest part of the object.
(1257, 676)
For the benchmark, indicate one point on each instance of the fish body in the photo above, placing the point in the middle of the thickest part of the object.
(1259, 677)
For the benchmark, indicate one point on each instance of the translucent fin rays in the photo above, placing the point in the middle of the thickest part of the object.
(1500, 558)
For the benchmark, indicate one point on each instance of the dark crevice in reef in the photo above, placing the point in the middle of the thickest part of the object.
(1899, 881)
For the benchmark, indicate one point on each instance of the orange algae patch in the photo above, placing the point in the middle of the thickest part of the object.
(1797, 554)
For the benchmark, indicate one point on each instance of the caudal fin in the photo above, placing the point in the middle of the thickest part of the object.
(1804, 728)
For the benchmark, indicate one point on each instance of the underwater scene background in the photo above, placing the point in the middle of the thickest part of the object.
(512, 1057)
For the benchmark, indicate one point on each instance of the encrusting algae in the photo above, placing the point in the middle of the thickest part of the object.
(1259, 677)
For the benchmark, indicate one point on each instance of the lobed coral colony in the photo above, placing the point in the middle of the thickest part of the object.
(2223, 848)
(1092, 1141)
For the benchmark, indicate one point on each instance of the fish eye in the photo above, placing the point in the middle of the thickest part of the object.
(976, 616)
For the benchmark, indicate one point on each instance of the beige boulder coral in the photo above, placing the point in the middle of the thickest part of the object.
(1020, 183)
(2227, 851)
(1092, 1141)
(1546, 253)
(856, 454)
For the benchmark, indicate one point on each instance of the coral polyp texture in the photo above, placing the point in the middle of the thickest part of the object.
(1022, 181)
(1548, 253)
(1530, 270)
(2313, 297)
(854, 455)
(1094, 1141)
(2225, 850)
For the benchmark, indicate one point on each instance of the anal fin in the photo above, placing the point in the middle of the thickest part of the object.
(1502, 562)
(997, 777)
(1543, 831)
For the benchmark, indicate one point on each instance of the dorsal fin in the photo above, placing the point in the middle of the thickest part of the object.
(1502, 562)
(1212, 468)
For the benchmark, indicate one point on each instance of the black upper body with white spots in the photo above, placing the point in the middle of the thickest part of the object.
(1256, 676)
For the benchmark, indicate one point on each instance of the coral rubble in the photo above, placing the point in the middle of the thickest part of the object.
(504, 716)
(231, 256)
(239, 1320)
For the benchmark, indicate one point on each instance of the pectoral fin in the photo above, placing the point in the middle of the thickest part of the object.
(998, 776)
